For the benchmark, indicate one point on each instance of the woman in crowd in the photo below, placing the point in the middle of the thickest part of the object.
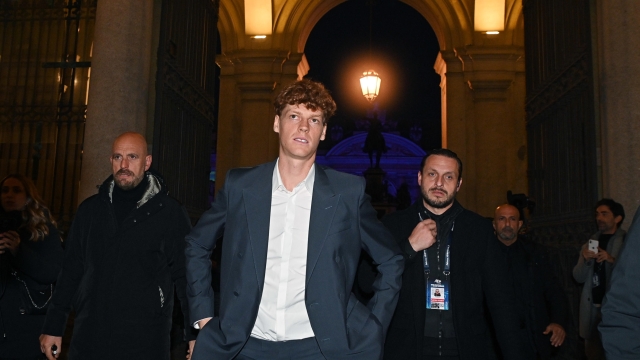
(30, 260)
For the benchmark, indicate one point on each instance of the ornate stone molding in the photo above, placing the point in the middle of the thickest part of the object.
(557, 87)
(489, 90)
(188, 91)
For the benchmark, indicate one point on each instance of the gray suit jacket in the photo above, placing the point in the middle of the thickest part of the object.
(620, 326)
(583, 273)
(342, 222)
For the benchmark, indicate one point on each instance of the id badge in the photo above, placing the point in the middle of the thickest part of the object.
(438, 295)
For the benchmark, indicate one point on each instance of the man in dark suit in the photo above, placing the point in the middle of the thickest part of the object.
(540, 301)
(453, 250)
(293, 232)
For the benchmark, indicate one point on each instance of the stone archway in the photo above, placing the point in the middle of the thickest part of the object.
(482, 86)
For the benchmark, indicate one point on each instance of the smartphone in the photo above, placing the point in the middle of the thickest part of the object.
(593, 245)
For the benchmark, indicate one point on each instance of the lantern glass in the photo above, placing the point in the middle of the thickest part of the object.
(370, 84)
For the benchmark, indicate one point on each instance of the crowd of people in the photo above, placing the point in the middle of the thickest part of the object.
(449, 284)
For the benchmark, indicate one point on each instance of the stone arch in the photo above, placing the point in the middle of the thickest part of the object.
(231, 25)
(483, 88)
(293, 21)
(451, 21)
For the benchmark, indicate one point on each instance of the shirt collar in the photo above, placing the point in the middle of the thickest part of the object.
(276, 181)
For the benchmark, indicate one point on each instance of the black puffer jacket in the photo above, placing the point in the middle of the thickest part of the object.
(120, 279)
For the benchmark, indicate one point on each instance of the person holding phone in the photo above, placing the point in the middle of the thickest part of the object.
(594, 270)
(30, 259)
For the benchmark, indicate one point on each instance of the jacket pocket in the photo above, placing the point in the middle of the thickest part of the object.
(358, 315)
(162, 295)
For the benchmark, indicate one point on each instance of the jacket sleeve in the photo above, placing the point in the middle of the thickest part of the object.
(554, 296)
(70, 276)
(200, 243)
(397, 227)
(620, 326)
(617, 248)
(581, 270)
(379, 244)
(176, 261)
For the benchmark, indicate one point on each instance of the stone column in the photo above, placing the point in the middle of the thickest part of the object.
(249, 82)
(617, 68)
(120, 84)
(484, 122)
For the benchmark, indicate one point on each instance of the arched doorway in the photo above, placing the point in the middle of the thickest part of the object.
(482, 84)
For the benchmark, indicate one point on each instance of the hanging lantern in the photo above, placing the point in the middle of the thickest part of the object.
(370, 84)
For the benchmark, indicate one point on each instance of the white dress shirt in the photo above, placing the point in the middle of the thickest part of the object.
(282, 314)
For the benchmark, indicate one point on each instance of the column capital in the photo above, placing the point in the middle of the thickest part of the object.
(259, 71)
(488, 71)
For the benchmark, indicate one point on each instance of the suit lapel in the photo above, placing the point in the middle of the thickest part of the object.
(257, 205)
(323, 207)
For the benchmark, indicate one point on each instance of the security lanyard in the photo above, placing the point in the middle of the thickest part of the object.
(447, 258)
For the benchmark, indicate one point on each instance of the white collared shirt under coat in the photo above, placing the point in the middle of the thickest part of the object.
(282, 314)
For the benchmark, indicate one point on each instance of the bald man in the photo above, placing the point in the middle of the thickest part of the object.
(540, 301)
(123, 257)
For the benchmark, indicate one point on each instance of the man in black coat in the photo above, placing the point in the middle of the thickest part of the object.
(123, 257)
(540, 301)
(452, 250)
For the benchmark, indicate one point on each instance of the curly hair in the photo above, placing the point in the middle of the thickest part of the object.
(312, 94)
(35, 215)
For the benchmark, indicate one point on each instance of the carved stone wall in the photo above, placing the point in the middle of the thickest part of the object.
(185, 111)
(561, 132)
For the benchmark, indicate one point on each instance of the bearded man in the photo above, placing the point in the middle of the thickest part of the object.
(452, 251)
(124, 259)
(540, 301)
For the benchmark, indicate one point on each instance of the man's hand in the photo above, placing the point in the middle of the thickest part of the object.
(588, 254)
(46, 342)
(602, 255)
(192, 343)
(9, 241)
(557, 334)
(423, 235)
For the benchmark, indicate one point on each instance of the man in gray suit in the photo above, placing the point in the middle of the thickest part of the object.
(293, 233)
(620, 326)
(596, 261)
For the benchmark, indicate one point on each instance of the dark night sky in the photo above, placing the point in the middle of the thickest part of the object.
(403, 51)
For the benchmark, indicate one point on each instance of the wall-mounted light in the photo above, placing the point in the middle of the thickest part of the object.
(257, 18)
(489, 16)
